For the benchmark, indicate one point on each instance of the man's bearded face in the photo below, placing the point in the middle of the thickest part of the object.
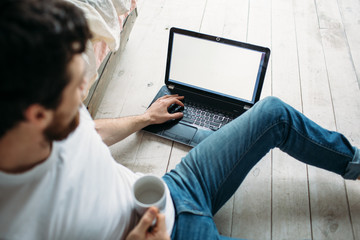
(58, 130)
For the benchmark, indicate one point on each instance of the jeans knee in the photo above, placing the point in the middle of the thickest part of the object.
(272, 100)
(272, 104)
(273, 109)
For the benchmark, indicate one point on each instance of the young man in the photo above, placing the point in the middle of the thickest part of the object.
(58, 179)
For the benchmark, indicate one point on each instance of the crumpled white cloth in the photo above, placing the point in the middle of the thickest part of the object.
(102, 16)
(103, 20)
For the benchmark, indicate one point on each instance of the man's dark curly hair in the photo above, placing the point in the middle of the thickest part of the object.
(38, 39)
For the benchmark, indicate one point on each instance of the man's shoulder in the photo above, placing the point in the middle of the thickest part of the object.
(84, 131)
(85, 115)
(81, 142)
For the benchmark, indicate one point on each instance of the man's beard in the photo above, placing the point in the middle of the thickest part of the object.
(56, 131)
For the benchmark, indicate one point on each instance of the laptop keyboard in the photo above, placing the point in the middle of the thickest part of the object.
(205, 117)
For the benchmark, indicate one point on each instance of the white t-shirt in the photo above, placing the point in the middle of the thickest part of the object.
(79, 192)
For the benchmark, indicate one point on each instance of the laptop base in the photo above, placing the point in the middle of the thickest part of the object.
(177, 130)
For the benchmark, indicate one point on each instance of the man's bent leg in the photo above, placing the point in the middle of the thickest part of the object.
(213, 170)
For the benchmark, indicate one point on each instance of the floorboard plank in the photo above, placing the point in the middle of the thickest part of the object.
(350, 13)
(252, 204)
(215, 20)
(291, 210)
(328, 14)
(328, 200)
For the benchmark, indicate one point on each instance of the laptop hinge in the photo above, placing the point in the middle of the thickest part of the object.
(246, 107)
(171, 87)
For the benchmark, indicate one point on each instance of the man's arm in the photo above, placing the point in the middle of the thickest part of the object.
(114, 130)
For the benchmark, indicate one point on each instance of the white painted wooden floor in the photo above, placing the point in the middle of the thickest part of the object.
(314, 66)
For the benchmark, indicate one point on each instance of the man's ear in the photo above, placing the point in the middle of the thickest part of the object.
(38, 115)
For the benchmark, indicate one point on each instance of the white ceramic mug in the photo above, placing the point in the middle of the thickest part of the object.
(149, 190)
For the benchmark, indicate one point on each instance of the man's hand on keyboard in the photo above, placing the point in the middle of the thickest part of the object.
(158, 111)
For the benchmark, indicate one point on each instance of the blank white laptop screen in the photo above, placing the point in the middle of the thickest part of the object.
(220, 68)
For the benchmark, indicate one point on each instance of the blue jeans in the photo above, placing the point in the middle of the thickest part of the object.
(211, 172)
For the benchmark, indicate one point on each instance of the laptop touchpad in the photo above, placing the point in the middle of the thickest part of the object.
(181, 132)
